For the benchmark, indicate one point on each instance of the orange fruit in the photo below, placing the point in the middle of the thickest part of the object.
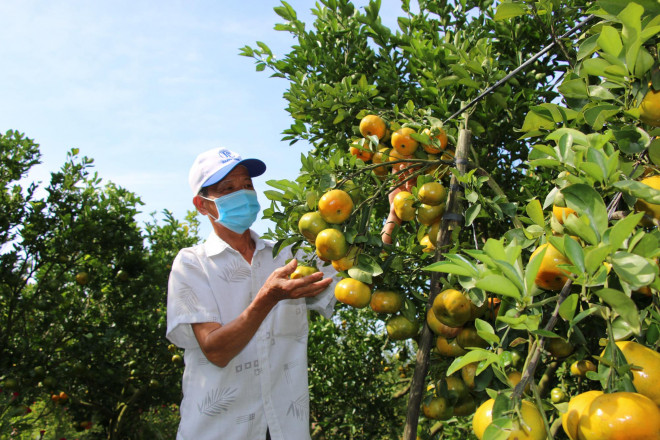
(429, 214)
(468, 373)
(468, 338)
(549, 276)
(559, 348)
(532, 426)
(331, 244)
(353, 292)
(335, 206)
(403, 142)
(437, 408)
(621, 415)
(649, 109)
(310, 224)
(465, 407)
(560, 213)
(452, 308)
(576, 407)
(432, 193)
(399, 327)
(448, 348)
(439, 328)
(433, 232)
(381, 157)
(426, 242)
(646, 377)
(581, 367)
(373, 125)
(346, 262)
(386, 301)
(441, 140)
(514, 378)
(456, 388)
(361, 152)
(404, 205)
(650, 209)
(302, 271)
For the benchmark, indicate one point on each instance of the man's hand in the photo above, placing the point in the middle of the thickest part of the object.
(280, 286)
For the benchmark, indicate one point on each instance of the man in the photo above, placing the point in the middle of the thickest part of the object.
(240, 318)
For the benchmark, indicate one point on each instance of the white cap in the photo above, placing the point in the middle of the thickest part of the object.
(212, 166)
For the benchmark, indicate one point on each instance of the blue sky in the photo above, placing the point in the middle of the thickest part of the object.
(142, 87)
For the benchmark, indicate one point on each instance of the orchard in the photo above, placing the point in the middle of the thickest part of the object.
(497, 173)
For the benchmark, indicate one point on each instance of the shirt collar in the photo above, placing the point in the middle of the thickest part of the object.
(214, 245)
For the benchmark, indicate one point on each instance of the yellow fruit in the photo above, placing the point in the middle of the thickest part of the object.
(335, 206)
(560, 213)
(576, 406)
(310, 224)
(646, 378)
(403, 205)
(621, 415)
(452, 308)
(432, 193)
(581, 367)
(439, 328)
(559, 348)
(348, 261)
(302, 271)
(353, 292)
(433, 232)
(441, 139)
(361, 152)
(386, 301)
(399, 328)
(532, 426)
(437, 408)
(449, 348)
(649, 109)
(403, 142)
(650, 209)
(468, 338)
(331, 244)
(373, 125)
(549, 276)
(426, 242)
(381, 157)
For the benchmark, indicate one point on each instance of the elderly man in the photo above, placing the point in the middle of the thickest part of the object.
(240, 318)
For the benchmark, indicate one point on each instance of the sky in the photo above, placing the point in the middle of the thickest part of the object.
(142, 87)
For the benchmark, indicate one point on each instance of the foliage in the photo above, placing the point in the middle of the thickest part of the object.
(564, 131)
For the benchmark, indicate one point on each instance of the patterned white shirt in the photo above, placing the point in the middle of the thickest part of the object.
(265, 385)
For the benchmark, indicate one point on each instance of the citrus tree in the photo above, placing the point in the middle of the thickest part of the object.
(82, 302)
(485, 178)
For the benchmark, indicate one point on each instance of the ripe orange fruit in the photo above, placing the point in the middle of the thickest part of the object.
(449, 348)
(310, 224)
(373, 125)
(514, 378)
(549, 276)
(452, 308)
(361, 152)
(646, 378)
(560, 213)
(381, 157)
(403, 205)
(331, 244)
(441, 140)
(426, 242)
(433, 232)
(439, 328)
(386, 301)
(456, 388)
(403, 142)
(432, 193)
(576, 407)
(437, 408)
(429, 214)
(353, 292)
(335, 206)
(581, 367)
(302, 271)
(63, 396)
(621, 415)
(650, 209)
(399, 327)
(468, 373)
(649, 109)
(346, 262)
(532, 426)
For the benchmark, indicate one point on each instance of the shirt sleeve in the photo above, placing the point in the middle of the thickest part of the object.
(189, 299)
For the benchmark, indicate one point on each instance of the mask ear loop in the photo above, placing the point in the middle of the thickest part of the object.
(216, 207)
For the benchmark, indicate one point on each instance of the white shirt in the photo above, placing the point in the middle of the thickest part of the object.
(265, 385)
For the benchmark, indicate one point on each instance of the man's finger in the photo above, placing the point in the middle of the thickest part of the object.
(290, 267)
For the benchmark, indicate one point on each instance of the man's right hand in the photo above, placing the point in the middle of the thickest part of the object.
(280, 286)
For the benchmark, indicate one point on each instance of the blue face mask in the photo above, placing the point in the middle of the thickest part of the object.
(238, 210)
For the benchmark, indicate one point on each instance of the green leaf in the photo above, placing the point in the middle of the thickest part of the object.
(532, 269)
(499, 285)
(623, 305)
(623, 228)
(579, 226)
(597, 116)
(475, 355)
(585, 200)
(486, 331)
(574, 252)
(595, 256)
(639, 190)
(509, 10)
(452, 268)
(471, 213)
(535, 212)
(634, 269)
(610, 41)
(568, 307)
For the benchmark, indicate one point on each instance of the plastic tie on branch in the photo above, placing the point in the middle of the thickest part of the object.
(462, 161)
(453, 216)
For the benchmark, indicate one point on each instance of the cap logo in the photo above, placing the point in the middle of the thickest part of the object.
(227, 156)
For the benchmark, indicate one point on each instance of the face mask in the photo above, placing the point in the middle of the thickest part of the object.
(237, 211)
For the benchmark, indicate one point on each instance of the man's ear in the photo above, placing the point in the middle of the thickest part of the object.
(200, 205)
